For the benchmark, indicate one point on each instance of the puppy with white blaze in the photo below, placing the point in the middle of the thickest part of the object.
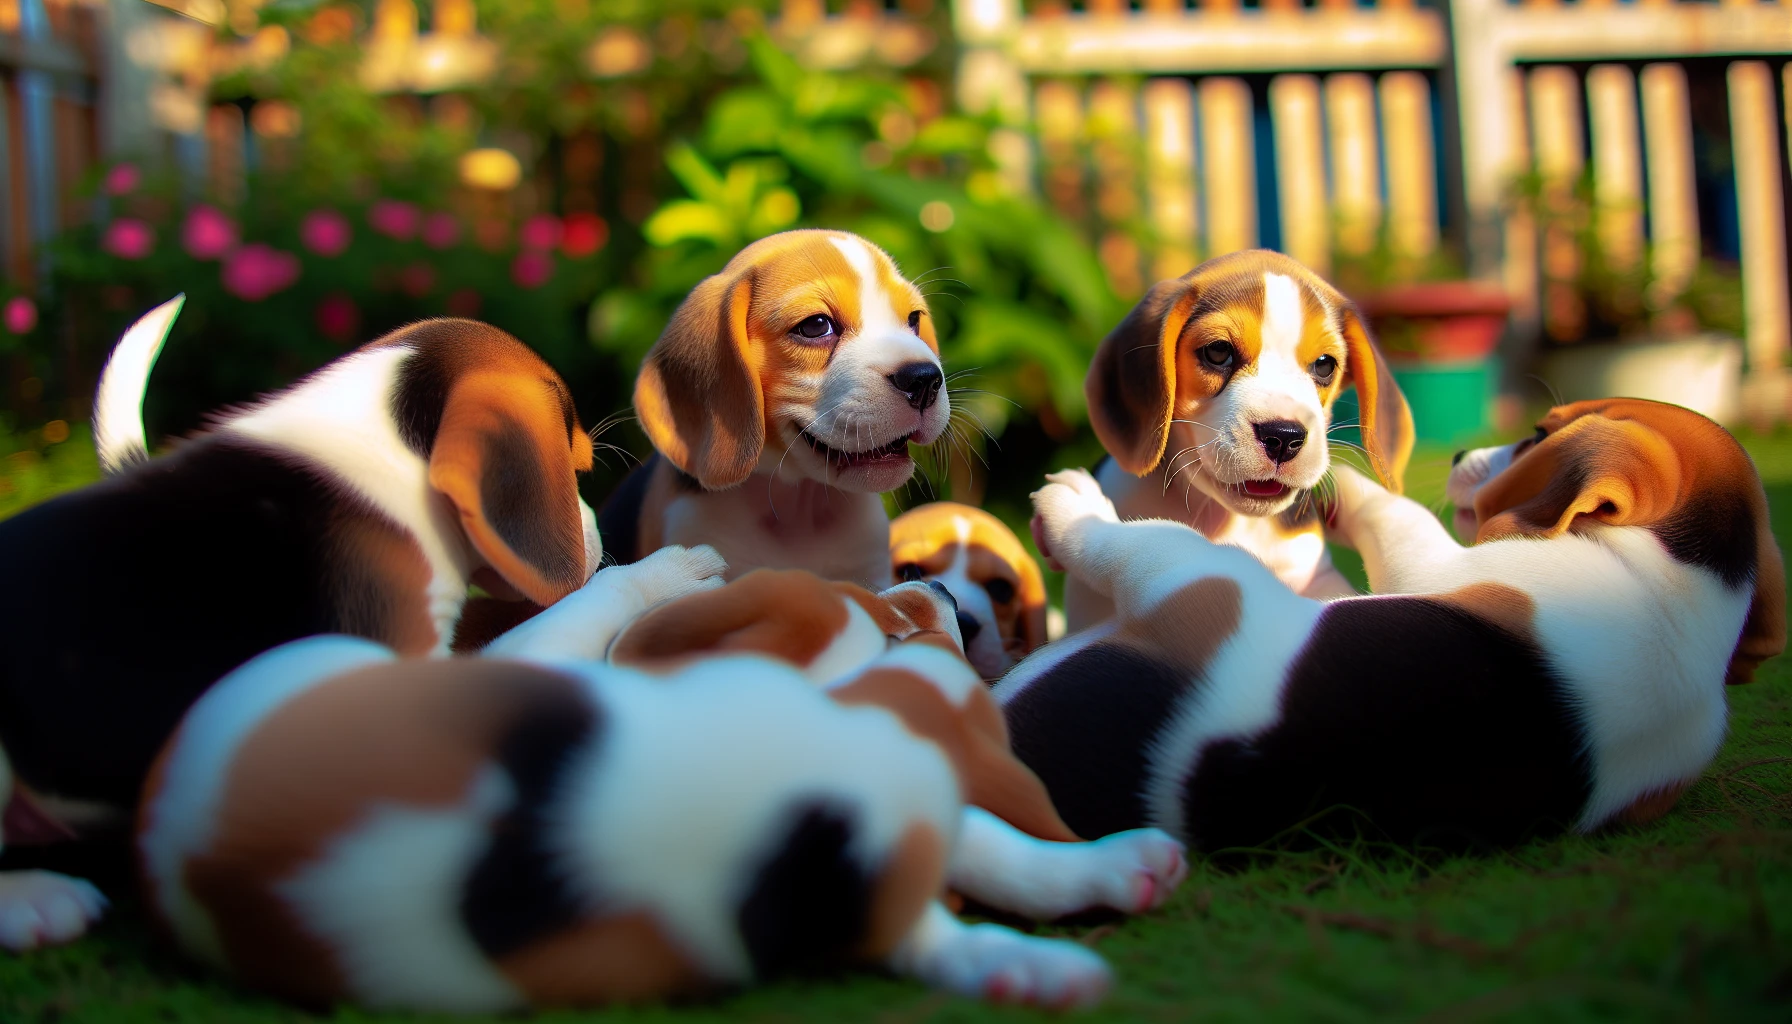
(1213, 399)
(781, 401)
(1565, 672)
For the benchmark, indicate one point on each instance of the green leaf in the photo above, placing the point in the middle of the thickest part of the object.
(683, 219)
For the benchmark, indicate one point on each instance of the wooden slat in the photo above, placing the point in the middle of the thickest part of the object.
(1760, 207)
(1412, 164)
(1300, 170)
(1229, 165)
(1520, 272)
(1356, 159)
(1170, 175)
(1556, 140)
(1221, 38)
(1617, 163)
(1673, 201)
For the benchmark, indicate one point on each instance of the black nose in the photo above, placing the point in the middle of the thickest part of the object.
(1281, 439)
(968, 628)
(940, 589)
(1454, 459)
(921, 382)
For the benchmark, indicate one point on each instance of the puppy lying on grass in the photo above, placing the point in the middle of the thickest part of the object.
(1565, 672)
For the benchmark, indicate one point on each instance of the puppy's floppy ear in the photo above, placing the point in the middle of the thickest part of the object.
(698, 394)
(502, 455)
(1592, 469)
(1764, 631)
(1131, 385)
(1385, 417)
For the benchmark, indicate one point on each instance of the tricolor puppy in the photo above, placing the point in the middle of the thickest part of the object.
(1213, 400)
(333, 824)
(1566, 672)
(997, 585)
(362, 500)
(782, 399)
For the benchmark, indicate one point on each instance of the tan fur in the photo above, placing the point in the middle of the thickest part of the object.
(1509, 608)
(1188, 627)
(927, 537)
(625, 958)
(778, 612)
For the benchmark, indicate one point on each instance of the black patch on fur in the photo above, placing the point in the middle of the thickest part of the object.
(619, 521)
(510, 492)
(810, 902)
(1435, 724)
(1714, 530)
(122, 602)
(516, 892)
(1085, 728)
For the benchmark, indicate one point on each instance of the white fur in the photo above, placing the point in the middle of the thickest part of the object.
(340, 418)
(997, 864)
(683, 845)
(992, 962)
(859, 642)
(386, 896)
(43, 908)
(584, 623)
(118, 406)
(987, 651)
(181, 816)
(946, 671)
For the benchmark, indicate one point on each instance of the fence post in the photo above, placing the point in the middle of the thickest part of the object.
(1673, 202)
(1170, 175)
(1356, 159)
(1481, 65)
(1230, 164)
(1754, 134)
(1300, 170)
(1617, 164)
(1412, 162)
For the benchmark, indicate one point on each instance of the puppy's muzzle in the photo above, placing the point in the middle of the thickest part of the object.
(920, 383)
(1282, 440)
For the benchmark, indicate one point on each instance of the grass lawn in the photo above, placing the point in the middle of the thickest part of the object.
(1689, 918)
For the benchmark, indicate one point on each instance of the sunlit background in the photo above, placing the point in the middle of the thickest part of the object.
(1529, 199)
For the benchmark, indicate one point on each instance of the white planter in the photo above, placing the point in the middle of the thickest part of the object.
(1702, 372)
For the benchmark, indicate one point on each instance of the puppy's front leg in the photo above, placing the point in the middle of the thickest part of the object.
(1405, 549)
(988, 961)
(998, 865)
(582, 624)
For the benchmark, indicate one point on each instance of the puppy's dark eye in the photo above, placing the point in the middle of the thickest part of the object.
(914, 322)
(817, 328)
(1323, 368)
(1219, 355)
(909, 573)
(999, 590)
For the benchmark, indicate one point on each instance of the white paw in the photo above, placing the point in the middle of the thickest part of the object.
(1135, 871)
(674, 572)
(988, 961)
(42, 908)
(1069, 497)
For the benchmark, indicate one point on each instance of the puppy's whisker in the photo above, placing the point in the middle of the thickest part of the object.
(1555, 396)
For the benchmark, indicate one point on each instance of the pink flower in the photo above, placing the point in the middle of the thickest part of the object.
(20, 314)
(532, 268)
(325, 232)
(393, 219)
(541, 231)
(440, 230)
(128, 238)
(208, 234)
(257, 271)
(416, 280)
(122, 178)
(463, 302)
(584, 234)
(337, 317)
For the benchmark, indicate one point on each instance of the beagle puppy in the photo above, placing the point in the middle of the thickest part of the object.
(363, 499)
(333, 824)
(781, 401)
(1213, 400)
(1565, 672)
(998, 587)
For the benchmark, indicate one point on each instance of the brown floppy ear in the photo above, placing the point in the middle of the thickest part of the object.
(1764, 631)
(502, 456)
(1131, 385)
(1385, 417)
(698, 394)
(788, 614)
(1616, 472)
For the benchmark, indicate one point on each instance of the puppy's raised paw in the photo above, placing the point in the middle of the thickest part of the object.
(673, 572)
(1069, 497)
(42, 908)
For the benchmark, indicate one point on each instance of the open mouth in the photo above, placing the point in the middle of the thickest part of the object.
(884, 455)
(1261, 488)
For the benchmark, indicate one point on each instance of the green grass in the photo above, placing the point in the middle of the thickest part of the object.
(1689, 918)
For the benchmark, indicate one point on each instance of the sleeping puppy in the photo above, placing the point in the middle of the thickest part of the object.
(1213, 400)
(363, 499)
(1566, 672)
(997, 585)
(333, 824)
(782, 399)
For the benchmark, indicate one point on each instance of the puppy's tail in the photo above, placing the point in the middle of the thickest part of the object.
(118, 407)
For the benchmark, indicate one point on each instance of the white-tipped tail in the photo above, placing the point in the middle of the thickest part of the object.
(118, 407)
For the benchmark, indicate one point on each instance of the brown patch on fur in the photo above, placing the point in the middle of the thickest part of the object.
(927, 537)
(971, 738)
(382, 583)
(413, 732)
(1652, 805)
(788, 614)
(626, 958)
(1186, 628)
(913, 876)
(1509, 608)
(484, 619)
(1384, 416)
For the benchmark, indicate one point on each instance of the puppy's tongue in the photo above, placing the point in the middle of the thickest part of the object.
(1263, 488)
